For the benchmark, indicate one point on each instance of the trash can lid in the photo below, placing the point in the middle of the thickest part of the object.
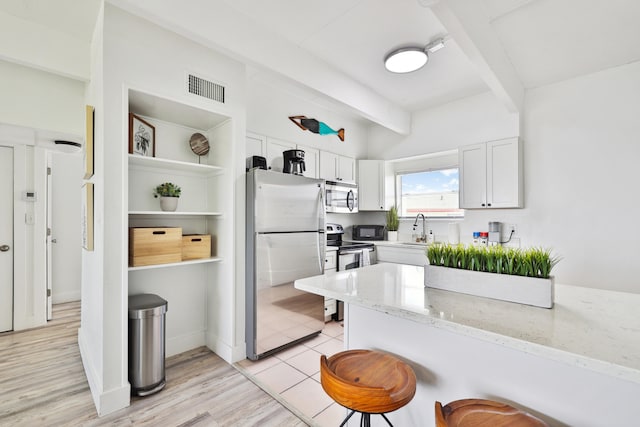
(146, 305)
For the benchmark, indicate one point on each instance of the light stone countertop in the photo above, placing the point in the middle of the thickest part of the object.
(589, 328)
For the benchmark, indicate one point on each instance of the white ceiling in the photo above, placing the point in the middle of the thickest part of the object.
(539, 42)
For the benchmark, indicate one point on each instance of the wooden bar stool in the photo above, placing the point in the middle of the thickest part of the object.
(366, 381)
(483, 413)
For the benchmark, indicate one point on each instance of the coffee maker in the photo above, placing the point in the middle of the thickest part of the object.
(293, 162)
(495, 229)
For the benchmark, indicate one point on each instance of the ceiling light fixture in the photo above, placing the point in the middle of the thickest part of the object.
(408, 59)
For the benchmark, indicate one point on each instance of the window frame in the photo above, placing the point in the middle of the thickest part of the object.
(428, 163)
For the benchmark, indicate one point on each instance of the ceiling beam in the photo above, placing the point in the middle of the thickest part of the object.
(234, 34)
(469, 25)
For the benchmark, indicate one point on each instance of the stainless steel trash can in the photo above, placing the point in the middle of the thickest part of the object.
(146, 343)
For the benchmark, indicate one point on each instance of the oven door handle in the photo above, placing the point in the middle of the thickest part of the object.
(353, 251)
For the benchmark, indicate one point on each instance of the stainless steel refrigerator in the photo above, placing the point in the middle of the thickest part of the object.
(285, 241)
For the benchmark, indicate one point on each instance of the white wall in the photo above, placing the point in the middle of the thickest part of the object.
(474, 119)
(37, 99)
(142, 56)
(580, 149)
(270, 104)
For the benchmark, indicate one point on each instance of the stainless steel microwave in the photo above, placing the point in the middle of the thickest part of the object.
(341, 197)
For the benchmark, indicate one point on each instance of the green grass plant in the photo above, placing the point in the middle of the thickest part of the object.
(531, 262)
(393, 222)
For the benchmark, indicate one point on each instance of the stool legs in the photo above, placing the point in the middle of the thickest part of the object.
(365, 419)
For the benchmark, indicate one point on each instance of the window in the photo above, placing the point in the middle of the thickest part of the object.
(433, 193)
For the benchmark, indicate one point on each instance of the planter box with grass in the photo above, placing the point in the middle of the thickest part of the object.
(514, 275)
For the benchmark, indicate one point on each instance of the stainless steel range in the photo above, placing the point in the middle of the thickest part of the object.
(350, 255)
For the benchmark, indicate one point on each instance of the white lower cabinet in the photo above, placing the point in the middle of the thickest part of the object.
(330, 265)
(402, 255)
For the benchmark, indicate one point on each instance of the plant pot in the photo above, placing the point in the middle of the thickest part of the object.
(392, 236)
(169, 204)
(521, 289)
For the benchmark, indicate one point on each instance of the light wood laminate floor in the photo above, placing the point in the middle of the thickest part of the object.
(42, 383)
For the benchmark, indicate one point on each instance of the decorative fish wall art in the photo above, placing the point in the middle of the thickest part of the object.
(313, 125)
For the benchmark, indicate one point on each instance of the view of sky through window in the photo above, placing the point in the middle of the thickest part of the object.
(439, 181)
(432, 193)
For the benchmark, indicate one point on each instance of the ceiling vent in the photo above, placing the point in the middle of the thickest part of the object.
(205, 88)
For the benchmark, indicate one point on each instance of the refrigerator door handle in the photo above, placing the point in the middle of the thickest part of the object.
(321, 255)
(321, 210)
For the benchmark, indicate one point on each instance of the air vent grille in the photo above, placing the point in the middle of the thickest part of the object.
(205, 88)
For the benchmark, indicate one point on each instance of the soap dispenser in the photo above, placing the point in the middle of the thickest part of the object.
(430, 238)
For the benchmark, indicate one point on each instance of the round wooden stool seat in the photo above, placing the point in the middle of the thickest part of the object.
(367, 381)
(483, 413)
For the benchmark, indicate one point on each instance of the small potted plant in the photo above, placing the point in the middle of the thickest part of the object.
(169, 194)
(392, 223)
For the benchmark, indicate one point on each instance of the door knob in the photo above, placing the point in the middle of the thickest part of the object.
(4, 248)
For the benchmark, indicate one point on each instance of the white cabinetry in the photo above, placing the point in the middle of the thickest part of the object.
(311, 161)
(334, 167)
(375, 185)
(397, 254)
(256, 145)
(193, 288)
(275, 147)
(271, 149)
(491, 175)
(330, 264)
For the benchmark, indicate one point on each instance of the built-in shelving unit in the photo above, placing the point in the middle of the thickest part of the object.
(177, 264)
(176, 214)
(194, 288)
(141, 162)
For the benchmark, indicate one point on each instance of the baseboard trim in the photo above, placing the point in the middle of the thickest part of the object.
(104, 402)
(62, 297)
(182, 343)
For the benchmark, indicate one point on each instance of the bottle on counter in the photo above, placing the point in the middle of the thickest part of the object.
(484, 238)
(430, 238)
(476, 238)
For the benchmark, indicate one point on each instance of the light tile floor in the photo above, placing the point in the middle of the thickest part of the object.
(293, 377)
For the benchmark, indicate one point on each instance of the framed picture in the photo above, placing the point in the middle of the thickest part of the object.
(88, 151)
(142, 137)
(87, 216)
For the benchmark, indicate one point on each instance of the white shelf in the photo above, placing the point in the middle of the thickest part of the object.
(136, 161)
(176, 214)
(177, 264)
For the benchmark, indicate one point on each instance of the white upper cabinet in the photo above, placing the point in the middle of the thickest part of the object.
(311, 161)
(491, 175)
(375, 185)
(256, 145)
(334, 167)
(275, 148)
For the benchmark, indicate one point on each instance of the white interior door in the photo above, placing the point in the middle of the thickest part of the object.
(6, 239)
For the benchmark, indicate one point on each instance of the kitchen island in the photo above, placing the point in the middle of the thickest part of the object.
(577, 364)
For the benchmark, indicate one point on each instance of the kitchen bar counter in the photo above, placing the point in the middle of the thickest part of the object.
(595, 329)
(569, 365)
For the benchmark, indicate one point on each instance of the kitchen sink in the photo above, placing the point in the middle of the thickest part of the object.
(413, 243)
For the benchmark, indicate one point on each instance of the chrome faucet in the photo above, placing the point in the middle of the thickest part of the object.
(423, 236)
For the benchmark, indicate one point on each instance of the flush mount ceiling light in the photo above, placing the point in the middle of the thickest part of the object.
(408, 59)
